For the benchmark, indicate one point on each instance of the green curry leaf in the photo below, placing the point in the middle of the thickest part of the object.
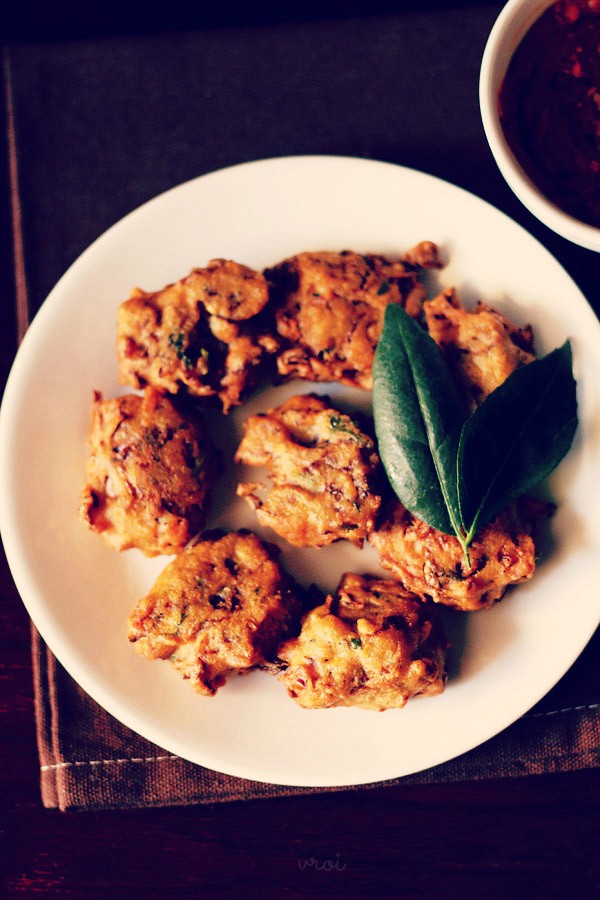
(517, 436)
(453, 472)
(418, 416)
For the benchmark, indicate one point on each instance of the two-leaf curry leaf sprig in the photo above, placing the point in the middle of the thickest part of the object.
(453, 470)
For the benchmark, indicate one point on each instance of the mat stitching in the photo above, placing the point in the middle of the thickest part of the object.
(106, 762)
(556, 712)
(149, 759)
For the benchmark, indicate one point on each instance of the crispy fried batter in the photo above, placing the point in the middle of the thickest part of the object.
(322, 468)
(148, 473)
(195, 335)
(432, 565)
(222, 606)
(229, 290)
(330, 309)
(425, 254)
(374, 646)
(482, 346)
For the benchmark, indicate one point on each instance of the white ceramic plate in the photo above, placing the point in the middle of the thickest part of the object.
(79, 592)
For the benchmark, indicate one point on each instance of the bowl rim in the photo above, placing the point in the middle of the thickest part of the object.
(507, 32)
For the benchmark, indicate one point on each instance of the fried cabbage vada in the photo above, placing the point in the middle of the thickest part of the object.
(222, 606)
(148, 474)
(198, 335)
(329, 309)
(323, 471)
(432, 564)
(373, 645)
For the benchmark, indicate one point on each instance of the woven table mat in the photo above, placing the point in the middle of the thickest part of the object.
(88, 760)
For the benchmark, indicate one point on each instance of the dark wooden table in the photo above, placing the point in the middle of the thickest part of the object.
(530, 837)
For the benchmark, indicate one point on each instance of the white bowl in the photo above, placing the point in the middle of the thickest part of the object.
(512, 24)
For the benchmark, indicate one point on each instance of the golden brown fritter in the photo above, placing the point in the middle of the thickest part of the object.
(432, 565)
(222, 606)
(196, 335)
(330, 309)
(323, 471)
(148, 473)
(482, 347)
(374, 645)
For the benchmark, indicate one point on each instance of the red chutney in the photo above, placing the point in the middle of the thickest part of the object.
(550, 106)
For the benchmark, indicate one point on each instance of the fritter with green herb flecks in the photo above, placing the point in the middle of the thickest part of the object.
(432, 564)
(198, 335)
(148, 473)
(482, 347)
(330, 309)
(373, 645)
(222, 606)
(323, 471)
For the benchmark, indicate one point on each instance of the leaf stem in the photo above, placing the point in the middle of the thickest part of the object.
(464, 540)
